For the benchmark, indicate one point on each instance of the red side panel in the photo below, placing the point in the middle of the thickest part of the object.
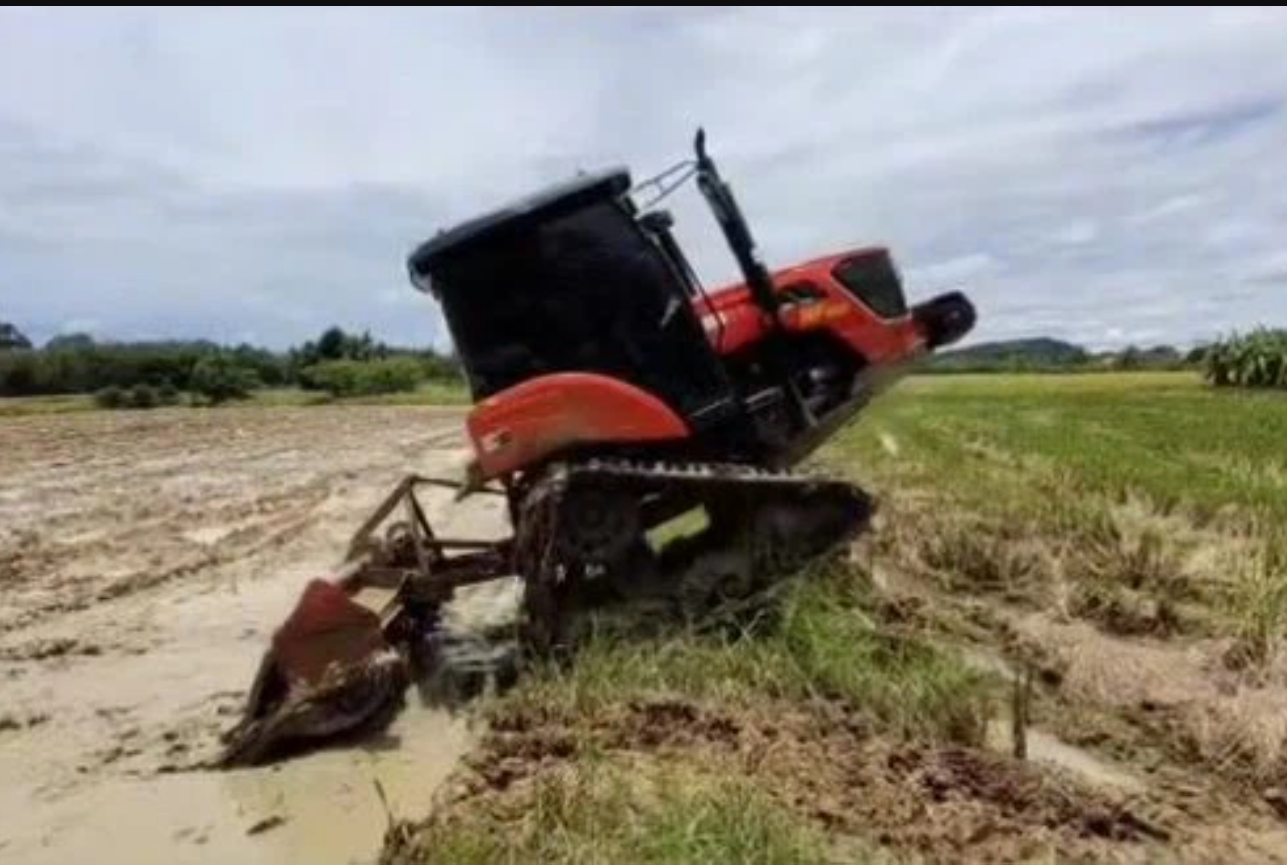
(731, 320)
(526, 423)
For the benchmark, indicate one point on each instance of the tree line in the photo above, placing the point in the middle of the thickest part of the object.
(1051, 355)
(158, 372)
(1253, 359)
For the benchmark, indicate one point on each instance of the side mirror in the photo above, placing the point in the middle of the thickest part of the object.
(657, 221)
(420, 281)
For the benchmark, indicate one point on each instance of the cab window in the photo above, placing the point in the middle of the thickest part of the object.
(874, 281)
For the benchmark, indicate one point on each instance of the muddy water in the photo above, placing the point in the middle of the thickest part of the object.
(108, 710)
(322, 808)
(1043, 747)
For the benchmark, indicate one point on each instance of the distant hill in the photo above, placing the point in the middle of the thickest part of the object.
(1035, 353)
(1044, 354)
(1156, 357)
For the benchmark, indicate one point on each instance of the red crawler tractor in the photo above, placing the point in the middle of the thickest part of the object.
(612, 393)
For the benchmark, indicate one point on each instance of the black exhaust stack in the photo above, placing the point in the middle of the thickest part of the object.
(737, 233)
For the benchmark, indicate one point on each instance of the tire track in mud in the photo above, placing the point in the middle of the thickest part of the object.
(111, 530)
(147, 553)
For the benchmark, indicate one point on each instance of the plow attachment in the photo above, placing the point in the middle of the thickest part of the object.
(341, 662)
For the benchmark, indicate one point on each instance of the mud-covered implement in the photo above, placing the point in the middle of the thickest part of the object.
(342, 660)
(613, 395)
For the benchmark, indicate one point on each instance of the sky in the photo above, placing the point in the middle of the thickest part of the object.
(1104, 176)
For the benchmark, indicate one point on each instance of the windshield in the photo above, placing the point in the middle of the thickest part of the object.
(872, 279)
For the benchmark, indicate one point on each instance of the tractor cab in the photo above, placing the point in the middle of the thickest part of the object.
(571, 279)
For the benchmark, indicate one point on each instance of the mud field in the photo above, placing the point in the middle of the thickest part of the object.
(144, 560)
(1061, 530)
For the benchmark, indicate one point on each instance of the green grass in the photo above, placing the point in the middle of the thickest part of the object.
(1164, 436)
(824, 644)
(427, 393)
(600, 812)
(601, 804)
(1115, 482)
(35, 405)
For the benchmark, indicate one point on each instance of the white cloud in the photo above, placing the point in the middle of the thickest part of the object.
(1269, 268)
(1174, 205)
(220, 171)
(1076, 232)
(950, 272)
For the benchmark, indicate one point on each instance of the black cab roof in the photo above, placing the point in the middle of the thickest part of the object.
(548, 202)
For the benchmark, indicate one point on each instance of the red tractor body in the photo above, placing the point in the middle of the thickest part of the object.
(848, 307)
(816, 301)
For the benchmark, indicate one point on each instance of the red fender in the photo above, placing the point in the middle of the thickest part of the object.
(524, 424)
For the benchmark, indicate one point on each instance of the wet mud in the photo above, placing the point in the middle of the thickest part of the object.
(144, 561)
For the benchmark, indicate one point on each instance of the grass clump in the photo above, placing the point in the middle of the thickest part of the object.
(1128, 575)
(1258, 604)
(823, 643)
(591, 812)
(973, 555)
(909, 686)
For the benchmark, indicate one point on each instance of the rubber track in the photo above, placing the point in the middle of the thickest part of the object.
(709, 474)
(707, 482)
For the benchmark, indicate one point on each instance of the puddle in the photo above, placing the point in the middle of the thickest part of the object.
(1043, 747)
(1052, 751)
(325, 806)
